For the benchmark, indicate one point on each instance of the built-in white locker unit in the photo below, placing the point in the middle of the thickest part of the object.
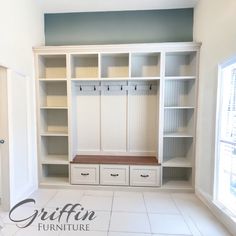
(118, 100)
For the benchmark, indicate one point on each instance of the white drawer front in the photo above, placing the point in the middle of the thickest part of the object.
(145, 176)
(114, 175)
(84, 174)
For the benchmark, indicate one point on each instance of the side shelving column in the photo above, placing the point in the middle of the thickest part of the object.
(52, 119)
(179, 119)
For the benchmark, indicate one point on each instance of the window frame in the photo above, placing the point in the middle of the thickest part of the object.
(219, 101)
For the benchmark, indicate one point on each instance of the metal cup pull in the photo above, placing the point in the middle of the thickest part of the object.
(84, 174)
(114, 175)
(144, 176)
(2, 141)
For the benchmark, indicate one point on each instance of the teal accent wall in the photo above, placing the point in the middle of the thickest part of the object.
(119, 27)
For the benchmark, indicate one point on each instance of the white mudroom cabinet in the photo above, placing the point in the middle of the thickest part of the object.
(121, 115)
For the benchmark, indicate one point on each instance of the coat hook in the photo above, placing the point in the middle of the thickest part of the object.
(150, 87)
(135, 88)
(108, 87)
(121, 88)
(80, 88)
(94, 88)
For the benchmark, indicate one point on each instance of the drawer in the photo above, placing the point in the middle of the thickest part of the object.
(114, 175)
(84, 174)
(145, 175)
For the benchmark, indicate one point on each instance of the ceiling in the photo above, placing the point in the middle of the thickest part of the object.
(64, 6)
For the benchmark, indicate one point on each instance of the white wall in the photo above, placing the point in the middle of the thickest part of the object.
(21, 28)
(214, 26)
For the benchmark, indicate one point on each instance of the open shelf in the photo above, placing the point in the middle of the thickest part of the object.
(178, 152)
(52, 66)
(178, 122)
(84, 66)
(55, 159)
(174, 178)
(54, 149)
(145, 65)
(179, 93)
(115, 65)
(54, 121)
(180, 64)
(55, 174)
(53, 94)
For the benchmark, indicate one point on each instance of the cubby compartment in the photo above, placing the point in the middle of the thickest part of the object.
(180, 64)
(178, 152)
(52, 94)
(145, 65)
(179, 93)
(52, 66)
(174, 177)
(54, 121)
(178, 122)
(115, 65)
(84, 66)
(54, 174)
(54, 150)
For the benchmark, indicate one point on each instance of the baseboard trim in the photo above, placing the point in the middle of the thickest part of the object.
(225, 219)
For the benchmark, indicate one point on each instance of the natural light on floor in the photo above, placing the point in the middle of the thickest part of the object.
(226, 141)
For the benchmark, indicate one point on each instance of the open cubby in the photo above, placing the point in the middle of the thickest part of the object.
(54, 149)
(145, 65)
(175, 177)
(53, 94)
(178, 152)
(179, 93)
(180, 64)
(178, 122)
(84, 66)
(54, 121)
(52, 66)
(55, 173)
(115, 65)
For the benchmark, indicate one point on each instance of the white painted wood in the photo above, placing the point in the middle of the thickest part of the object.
(114, 174)
(117, 122)
(145, 65)
(53, 94)
(86, 111)
(179, 93)
(114, 65)
(113, 119)
(64, 6)
(180, 64)
(52, 66)
(84, 66)
(145, 175)
(84, 174)
(142, 120)
(22, 158)
(55, 173)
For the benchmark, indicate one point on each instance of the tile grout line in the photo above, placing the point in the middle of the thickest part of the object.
(147, 213)
(184, 217)
(109, 225)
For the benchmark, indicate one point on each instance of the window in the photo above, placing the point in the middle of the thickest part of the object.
(225, 187)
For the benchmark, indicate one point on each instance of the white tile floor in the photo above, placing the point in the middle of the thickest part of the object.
(124, 214)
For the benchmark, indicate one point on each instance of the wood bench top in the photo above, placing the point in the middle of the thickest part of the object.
(122, 160)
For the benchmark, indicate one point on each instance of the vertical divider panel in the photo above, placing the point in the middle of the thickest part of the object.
(69, 110)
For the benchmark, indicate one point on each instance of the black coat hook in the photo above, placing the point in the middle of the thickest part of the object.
(94, 88)
(150, 87)
(135, 88)
(80, 88)
(121, 88)
(108, 87)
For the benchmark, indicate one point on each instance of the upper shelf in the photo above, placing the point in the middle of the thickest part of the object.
(52, 66)
(180, 64)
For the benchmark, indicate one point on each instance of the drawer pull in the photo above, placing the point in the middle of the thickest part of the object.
(84, 174)
(114, 175)
(144, 176)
